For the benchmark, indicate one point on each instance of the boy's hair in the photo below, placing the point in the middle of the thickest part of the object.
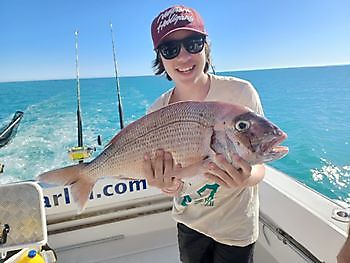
(159, 69)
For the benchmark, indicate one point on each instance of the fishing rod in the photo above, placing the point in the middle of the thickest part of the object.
(80, 152)
(80, 125)
(120, 107)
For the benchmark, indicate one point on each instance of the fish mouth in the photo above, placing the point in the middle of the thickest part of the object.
(273, 147)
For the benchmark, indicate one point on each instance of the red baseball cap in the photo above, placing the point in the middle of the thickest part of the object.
(176, 18)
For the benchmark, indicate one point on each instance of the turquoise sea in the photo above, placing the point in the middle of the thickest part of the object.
(312, 104)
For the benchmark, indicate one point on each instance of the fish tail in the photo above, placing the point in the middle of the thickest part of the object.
(80, 184)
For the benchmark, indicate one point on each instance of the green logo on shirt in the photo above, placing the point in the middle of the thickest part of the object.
(208, 201)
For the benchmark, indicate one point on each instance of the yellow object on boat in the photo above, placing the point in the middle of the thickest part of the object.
(31, 256)
(80, 153)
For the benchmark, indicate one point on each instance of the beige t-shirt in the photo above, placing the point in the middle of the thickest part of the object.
(228, 215)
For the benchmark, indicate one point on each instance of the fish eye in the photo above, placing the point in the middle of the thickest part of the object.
(242, 125)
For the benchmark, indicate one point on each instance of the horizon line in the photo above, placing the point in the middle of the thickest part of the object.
(218, 71)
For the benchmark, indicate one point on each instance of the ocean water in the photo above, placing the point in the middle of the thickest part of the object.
(311, 104)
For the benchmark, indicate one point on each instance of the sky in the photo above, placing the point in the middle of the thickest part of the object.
(37, 39)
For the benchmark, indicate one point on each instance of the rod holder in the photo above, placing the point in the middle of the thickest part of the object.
(342, 215)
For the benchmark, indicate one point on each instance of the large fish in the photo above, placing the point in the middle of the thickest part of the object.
(191, 131)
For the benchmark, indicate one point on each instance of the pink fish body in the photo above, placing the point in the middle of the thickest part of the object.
(191, 131)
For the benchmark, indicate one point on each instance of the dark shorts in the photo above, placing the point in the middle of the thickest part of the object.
(198, 248)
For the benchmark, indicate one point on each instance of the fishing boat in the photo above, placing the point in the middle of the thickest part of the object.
(8, 131)
(128, 221)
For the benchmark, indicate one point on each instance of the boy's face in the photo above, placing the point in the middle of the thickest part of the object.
(186, 67)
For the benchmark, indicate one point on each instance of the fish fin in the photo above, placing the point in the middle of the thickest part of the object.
(111, 142)
(62, 176)
(81, 184)
(81, 190)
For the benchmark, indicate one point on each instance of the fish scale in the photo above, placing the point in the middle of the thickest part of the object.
(182, 136)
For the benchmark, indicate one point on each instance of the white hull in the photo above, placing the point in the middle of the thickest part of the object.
(133, 224)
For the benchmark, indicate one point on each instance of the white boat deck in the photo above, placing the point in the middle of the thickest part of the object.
(296, 225)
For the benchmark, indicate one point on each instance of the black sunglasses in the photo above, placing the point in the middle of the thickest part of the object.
(171, 49)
